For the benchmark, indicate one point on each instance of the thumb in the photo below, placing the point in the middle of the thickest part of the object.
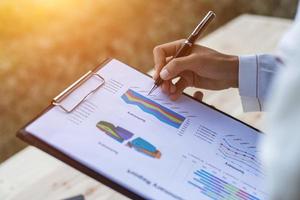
(198, 95)
(175, 67)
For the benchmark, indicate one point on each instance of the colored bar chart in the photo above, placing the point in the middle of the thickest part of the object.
(151, 107)
(116, 132)
(216, 188)
(145, 147)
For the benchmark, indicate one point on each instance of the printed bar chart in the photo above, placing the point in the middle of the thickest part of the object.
(145, 147)
(147, 105)
(118, 133)
(216, 188)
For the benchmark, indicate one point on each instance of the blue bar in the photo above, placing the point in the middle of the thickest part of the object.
(208, 174)
(216, 185)
(211, 178)
(203, 189)
(211, 183)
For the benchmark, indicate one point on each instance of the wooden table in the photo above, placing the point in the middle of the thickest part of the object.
(32, 174)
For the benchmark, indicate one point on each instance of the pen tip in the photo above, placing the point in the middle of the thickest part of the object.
(152, 89)
(149, 92)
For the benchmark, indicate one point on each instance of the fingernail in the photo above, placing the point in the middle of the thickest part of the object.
(164, 74)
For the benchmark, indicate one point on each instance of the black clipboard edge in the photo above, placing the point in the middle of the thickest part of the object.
(34, 141)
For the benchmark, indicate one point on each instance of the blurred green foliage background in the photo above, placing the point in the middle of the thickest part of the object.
(46, 44)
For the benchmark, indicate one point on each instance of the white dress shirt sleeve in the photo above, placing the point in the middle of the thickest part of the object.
(256, 73)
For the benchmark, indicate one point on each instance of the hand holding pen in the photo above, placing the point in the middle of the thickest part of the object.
(188, 43)
(197, 66)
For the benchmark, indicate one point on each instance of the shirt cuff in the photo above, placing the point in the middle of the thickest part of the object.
(248, 80)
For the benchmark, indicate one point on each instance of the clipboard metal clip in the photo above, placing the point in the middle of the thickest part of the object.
(81, 96)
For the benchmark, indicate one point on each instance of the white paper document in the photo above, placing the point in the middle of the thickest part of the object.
(153, 146)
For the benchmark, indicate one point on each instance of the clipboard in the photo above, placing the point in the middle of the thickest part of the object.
(57, 101)
(34, 141)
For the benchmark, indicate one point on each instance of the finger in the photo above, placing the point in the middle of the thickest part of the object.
(169, 59)
(176, 66)
(180, 86)
(156, 73)
(166, 87)
(172, 88)
(161, 52)
(198, 95)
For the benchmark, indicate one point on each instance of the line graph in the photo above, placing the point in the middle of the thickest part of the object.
(149, 106)
(239, 155)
